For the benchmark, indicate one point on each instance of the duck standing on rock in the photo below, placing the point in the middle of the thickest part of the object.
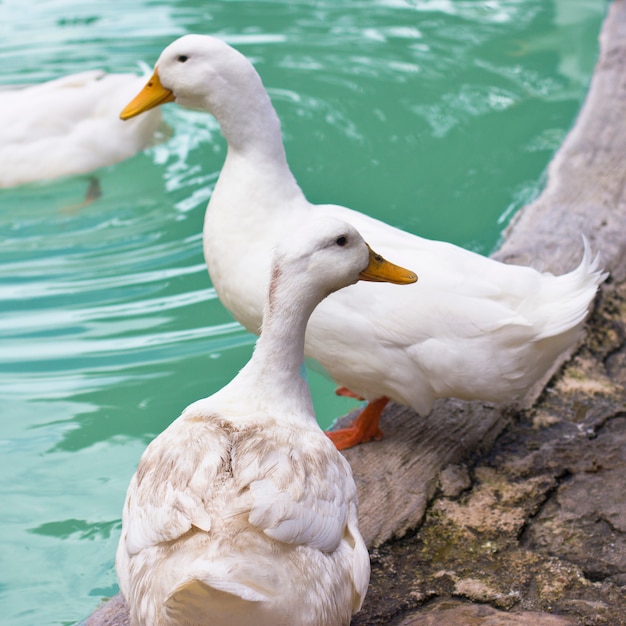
(242, 512)
(473, 328)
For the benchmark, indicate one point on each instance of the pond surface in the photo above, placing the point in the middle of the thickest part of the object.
(438, 116)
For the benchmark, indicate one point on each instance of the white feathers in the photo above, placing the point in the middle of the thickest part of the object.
(319, 524)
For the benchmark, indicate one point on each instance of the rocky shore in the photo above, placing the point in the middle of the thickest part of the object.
(495, 516)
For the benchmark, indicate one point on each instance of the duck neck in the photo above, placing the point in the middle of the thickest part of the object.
(278, 360)
(255, 193)
(247, 118)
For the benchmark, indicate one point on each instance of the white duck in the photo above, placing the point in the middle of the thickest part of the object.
(242, 511)
(472, 328)
(69, 126)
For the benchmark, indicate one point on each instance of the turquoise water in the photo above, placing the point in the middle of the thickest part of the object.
(438, 116)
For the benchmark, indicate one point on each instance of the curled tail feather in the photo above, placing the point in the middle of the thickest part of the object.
(567, 298)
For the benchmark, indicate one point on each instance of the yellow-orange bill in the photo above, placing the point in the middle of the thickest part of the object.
(152, 95)
(382, 271)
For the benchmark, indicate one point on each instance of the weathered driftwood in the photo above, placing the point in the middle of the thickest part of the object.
(585, 194)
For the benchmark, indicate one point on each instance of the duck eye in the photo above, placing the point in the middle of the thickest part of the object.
(342, 241)
(182, 58)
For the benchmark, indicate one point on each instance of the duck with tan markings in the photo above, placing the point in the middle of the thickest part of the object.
(243, 512)
(473, 328)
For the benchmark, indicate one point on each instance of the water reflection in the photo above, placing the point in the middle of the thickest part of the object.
(81, 529)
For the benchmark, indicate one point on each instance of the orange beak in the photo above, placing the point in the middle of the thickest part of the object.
(382, 271)
(152, 95)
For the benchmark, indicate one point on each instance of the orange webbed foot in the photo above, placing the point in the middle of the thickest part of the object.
(363, 429)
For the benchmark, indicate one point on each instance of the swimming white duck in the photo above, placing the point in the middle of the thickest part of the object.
(242, 511)
(472, 328)
(69, 126)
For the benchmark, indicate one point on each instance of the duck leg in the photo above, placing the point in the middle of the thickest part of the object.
(344, 392)
(93, 193)
(363, 429)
